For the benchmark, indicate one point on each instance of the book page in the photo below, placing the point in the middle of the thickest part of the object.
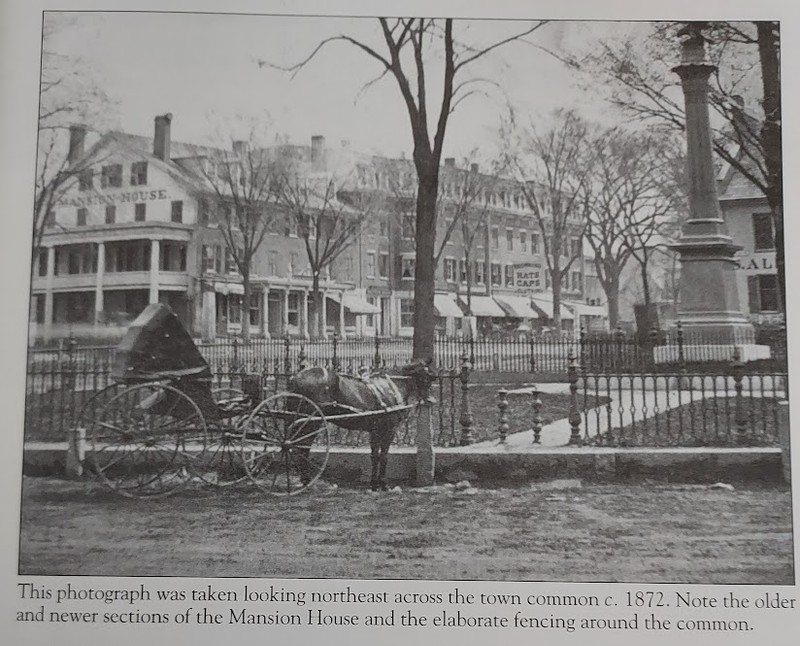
(468, 326)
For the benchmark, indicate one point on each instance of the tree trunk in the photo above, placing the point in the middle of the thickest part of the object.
(316, 320)
(424, 313)
(645, 281)
(611, 288)
(556, 280)
(467, 267)
(768, 50)
(245, 314)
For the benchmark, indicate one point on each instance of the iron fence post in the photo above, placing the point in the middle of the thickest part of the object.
(466, 419)
(739, 417)
(301, 358)
(287, 359)
(574, 413)
(619, 336)
(502, 407)
(235, 357)
(532, 345)
(472, 351)
(537, 416)
(377, 359)
(582, 346)
(335, 358)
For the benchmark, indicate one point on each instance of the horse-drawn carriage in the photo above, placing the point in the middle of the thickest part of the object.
(160, 425)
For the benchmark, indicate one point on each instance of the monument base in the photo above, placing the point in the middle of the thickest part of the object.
(707, 352)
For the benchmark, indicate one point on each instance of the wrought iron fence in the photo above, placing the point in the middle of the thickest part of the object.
(613, 352)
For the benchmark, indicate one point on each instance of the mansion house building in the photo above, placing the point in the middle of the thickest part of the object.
(133, 228)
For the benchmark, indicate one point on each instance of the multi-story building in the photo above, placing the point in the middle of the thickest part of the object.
(134, 228)
(750, 224)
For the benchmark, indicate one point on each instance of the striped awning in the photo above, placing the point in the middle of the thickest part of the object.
(446, 305)
(486, 306)
(516, 306)
(229, 288)
(355, 303)
(546, 306)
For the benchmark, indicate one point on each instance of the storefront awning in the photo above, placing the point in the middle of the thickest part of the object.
(516, 306)
(229, 288)
(446, 306)
(588, 310)
(355, 303)
(486, 306)
(546, 306)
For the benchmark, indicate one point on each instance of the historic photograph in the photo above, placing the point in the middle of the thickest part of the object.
(407, 298)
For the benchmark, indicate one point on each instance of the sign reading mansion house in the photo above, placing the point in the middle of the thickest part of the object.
(131, 229)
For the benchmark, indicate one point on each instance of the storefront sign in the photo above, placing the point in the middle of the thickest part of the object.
(114, 198)
(756, 263)
(528, 277)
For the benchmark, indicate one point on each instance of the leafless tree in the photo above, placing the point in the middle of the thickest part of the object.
(242, 202)
(745, 97)
(553, 168)
(414, 51)
(635, 198)
(328, 213)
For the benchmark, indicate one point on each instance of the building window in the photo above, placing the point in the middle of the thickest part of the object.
(408, 226)
(85, 180)
(369, 319)
(576, 247)
(383, 265)
(577, 281)
(42, 262)
(509, 275)
(272, 263)
(534, 243)
(202, 212)
(230, 262)
(495, 238)
(293, 311)
(450, 270)
(480, 272)
(234, 308)
(81, 219)
(763, 293)
(763, 233)
(139, 212)
(255, 310)
(448, 227)
(219, 256)
(139, 173)
(370, 264)
(383, 229)
(290, 230)
(207, 259)
(173, 256)
(497, 276)
(509, 240)
(111, 214)
(523, 240)
(408, 267)
(177, 211)
(111, 176)
(406, 312)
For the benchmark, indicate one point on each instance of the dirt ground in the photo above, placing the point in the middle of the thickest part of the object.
(556, 532)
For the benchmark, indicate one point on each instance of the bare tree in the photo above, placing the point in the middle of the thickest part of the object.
(243, 200)
(68, 95)
(635, 195)
(747, 125)
(328, 215)
(412, 50)
(553, 169)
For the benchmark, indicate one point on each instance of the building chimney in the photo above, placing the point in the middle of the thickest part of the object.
(450, 162)
(161, 140)
(241, 148)
(77, 139)
(473, 168)
(318, 152)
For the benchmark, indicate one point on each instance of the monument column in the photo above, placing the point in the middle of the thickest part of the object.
(709, 301)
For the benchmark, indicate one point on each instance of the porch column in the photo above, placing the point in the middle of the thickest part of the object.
(286, 312)
(48, 293)
(265, 312)
(342, 332)
(305, 314)
(324, 313)
(98, 287)
(154, 265)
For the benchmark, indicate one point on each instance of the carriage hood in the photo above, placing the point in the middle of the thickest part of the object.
(156, 346)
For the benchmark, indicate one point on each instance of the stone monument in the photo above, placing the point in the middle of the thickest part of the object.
(709, 310)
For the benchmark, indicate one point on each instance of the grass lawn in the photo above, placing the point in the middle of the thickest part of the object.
(634, 533)
(706, 422)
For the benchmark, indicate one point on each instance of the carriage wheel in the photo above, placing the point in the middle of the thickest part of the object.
(285, 444)
(221, 464)
(146, 439)
(94, 404)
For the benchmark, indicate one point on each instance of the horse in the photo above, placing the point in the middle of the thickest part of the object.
(338, 394)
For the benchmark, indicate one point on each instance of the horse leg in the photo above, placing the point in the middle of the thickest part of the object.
(386, 435)
(374, 447)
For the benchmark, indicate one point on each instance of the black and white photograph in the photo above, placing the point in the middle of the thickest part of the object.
(402, 298)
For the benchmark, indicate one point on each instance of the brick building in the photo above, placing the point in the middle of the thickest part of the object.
(133, 229)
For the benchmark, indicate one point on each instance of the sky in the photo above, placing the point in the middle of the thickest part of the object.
(204, 70)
